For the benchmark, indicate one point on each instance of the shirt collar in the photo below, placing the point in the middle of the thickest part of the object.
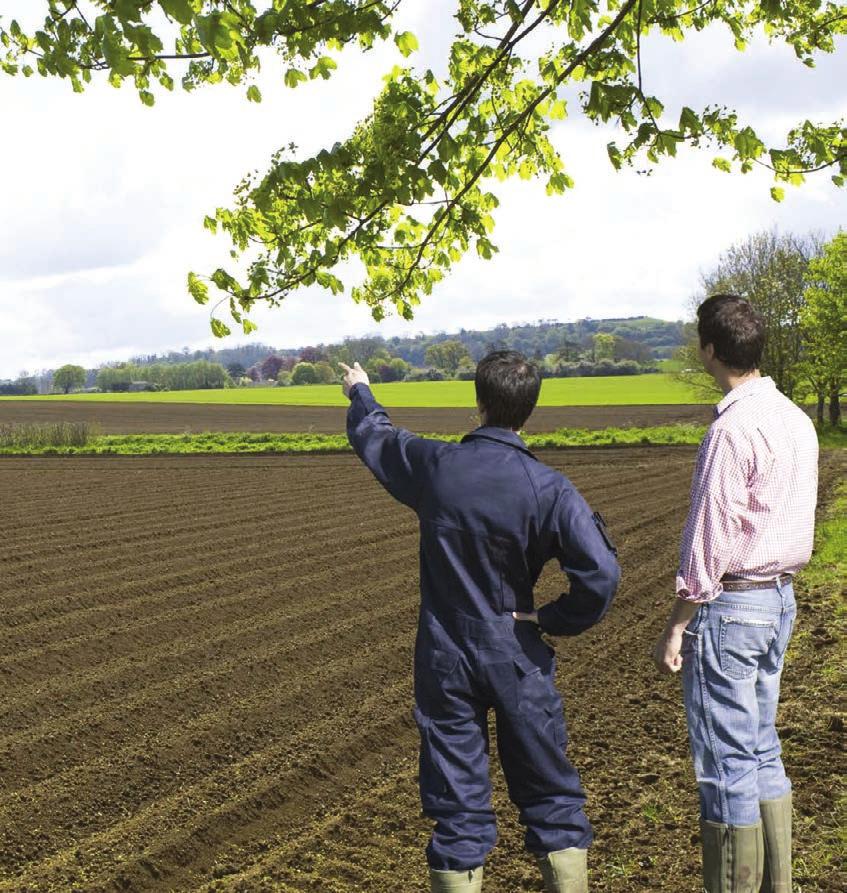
(749, 388)
(500, 435)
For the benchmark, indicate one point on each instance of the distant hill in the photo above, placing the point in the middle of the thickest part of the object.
(533, 339)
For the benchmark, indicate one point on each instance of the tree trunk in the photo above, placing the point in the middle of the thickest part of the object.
(821, 402)
(834, 406)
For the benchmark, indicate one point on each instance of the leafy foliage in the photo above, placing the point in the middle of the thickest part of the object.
(68, 377)
(408, 192)
(447, 355)
(769, 269)
(170, 376)
(824, 323)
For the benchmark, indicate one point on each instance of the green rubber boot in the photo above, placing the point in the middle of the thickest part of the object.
(565, 871)
(456, 881)
(776, 825)
(733, 857)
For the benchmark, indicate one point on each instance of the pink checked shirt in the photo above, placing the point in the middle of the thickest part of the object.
(753, 494)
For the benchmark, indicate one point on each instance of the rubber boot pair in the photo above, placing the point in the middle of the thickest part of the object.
(749, 858)
(456, 881)
(565, 871)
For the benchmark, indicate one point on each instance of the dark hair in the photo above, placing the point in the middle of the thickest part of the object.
(507, 387)
(736, 330)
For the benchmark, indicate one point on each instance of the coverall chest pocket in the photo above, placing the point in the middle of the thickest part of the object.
(743, 643)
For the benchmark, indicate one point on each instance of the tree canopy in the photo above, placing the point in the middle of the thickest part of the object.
(824, 320)
(69, 377)
(409, 192)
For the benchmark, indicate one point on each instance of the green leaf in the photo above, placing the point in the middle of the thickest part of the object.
(146, 97)
(248, 326)
(323, 68)
(406, 42)
(254, 94)
(198, 289)
(220, 329)
(748, 144)
(178, 9)
(777, 193)
(614, 155)
(722, 165)
(293, 77)
(558, 110)
(689, 122)
(213, 32)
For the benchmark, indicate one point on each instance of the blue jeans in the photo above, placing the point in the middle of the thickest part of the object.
(733, 651)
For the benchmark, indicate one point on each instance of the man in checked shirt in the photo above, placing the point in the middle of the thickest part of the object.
(749, 529)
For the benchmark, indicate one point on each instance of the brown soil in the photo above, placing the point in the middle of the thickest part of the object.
(206, 678)
(164, 418)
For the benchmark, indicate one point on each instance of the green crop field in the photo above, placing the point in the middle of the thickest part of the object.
(601, 391)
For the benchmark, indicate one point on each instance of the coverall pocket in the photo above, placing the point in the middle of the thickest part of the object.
(433, 779)
(534, 686)
(434, 670)
(743, 643)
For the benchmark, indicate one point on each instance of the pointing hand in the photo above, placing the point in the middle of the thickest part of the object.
(356, 375)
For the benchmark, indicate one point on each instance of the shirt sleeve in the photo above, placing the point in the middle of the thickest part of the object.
(396, 457)
(719, 496)
(588, 558)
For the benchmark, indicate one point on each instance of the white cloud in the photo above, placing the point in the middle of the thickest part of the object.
(103, 202)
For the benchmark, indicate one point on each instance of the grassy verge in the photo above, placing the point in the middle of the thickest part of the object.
(814, 715)
(830, 437)
(223, 442)
(78, 440)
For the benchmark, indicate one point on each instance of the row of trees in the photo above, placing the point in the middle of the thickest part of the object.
(799, 285)
(23, 386)
(599, 354)
(199, 374)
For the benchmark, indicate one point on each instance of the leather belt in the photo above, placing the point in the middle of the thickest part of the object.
(732, 583)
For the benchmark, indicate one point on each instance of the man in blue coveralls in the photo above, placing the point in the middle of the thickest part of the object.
(491, 515)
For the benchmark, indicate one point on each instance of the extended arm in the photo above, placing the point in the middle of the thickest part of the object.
(396, 457)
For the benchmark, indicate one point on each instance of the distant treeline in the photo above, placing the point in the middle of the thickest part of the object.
(25, 386)
(587, 347)
(658, 337)
(195, 375)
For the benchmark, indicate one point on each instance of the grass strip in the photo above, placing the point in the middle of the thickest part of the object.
(245, 442)
(241, 442)
(815, 715)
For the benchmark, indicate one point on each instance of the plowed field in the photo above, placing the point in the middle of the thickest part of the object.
(175, 418)
(205, 681)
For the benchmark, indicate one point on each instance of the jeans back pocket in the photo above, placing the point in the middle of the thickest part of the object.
(743, 643)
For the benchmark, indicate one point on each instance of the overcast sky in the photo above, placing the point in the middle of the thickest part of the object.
(103, 202)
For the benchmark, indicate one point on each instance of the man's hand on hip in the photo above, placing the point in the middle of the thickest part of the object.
(356, 375)
(530, 618)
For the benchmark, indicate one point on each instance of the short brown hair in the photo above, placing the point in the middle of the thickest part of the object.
(507, 387)
(735, 329)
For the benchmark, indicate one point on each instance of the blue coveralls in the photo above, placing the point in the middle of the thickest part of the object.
(491, 515)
